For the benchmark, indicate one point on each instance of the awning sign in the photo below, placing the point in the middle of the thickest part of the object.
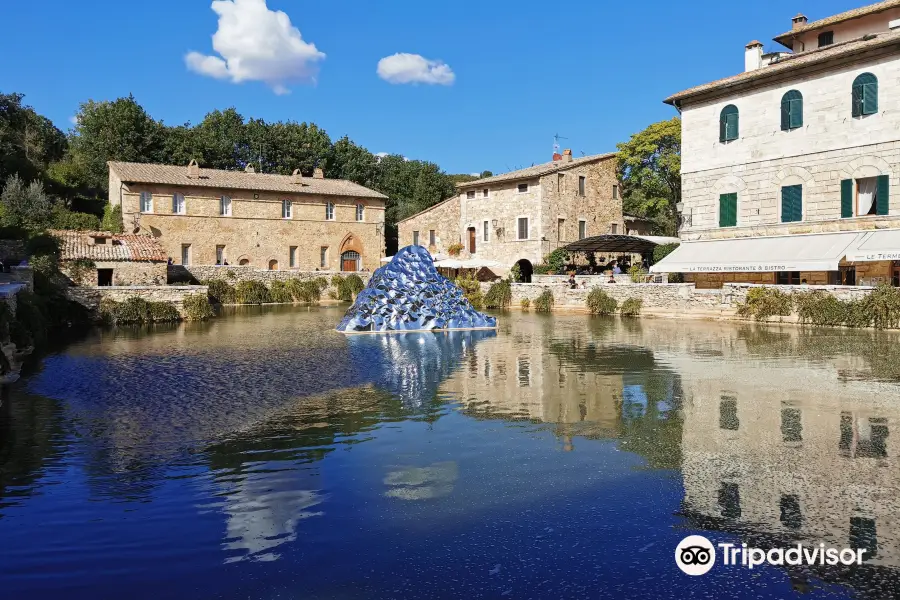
(874, 256)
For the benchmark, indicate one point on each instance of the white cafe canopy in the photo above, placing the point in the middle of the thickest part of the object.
(876, 245)
(812, 252)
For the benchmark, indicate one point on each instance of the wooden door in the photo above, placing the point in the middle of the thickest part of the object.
(471, 240)
(349, 264)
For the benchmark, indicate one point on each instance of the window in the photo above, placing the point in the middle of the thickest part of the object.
(728, 124)
(225, 206)
(146, 202)
(864, 535)
(582, 229)
(844, 276)
(292, 256)
(485, 193)
(728, 417)
(105, 277)
(581, 185)
(185, 254)
(826, 38)
(323, 257)
(787, 278)
(220, 255)
(286, 209)
(360, 212)
(560, 227)
(865, 95)
(614, 228)
(470, 195)
(615, 192)
(329, 211)
(415, 238)
(791, 110)
(431, 238)
(791, 203)
(486, 231)
(871, 197)
(523, 228)
(728, 210)
(523, 187)
(178, 204)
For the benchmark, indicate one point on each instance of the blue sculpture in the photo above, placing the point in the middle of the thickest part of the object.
(408, 294)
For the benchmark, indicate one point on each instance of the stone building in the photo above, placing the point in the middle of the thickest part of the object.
(208, 216)
(799, 157)
(104, 259)
(521, 216)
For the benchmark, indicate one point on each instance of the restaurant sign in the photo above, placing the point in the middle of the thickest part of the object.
(874, 256)
(749, 268)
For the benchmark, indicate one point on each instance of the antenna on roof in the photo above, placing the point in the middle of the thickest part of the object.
(556, 139)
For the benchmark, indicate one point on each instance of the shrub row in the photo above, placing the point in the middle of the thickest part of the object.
(137, 310)
(292, 290)
(600, 303)
(879, 309)
(472, 289)
(499, 295)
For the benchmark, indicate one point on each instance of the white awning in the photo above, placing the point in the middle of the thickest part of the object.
(876, 245)
(812, 252)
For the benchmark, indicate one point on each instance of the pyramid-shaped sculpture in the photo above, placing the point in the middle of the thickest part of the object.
(408, 294)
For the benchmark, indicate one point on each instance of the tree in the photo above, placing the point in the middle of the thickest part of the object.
(649, 166)
(117, 130)
(26, 207)
(29, 142)
(354, 163)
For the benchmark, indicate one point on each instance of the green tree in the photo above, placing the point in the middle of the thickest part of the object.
(117, 130)
(25, 206)
(219, 140)
(351, 162)
(649, 166)
(29, 142)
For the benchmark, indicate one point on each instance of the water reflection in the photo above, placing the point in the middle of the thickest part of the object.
(267, 439)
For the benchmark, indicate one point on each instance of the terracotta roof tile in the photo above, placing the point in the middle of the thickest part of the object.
(118, 247)
(238, 180)
(535, 171)
(811, 57)
(784, 38)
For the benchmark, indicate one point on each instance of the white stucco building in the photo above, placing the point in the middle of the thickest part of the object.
(799, 156)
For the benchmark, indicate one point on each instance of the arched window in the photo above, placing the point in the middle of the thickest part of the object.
(865, 95)
(728, 124)
(791, 110)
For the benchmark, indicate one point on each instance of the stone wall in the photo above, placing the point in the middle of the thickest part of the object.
(234, 274)
(92, 296)
(255, 231)
(673, 300)
(441, 218)
(125, 273)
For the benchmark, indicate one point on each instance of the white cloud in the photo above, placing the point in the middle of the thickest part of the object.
(73, 119)
(414, 68)
(254, 43)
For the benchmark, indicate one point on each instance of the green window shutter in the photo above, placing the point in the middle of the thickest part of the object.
(732, 127)
(727, 210)
(882, 195)
(796, 109)
(722, 119)
(791, 203)
(785, 114)
(870, 98)
(846, 198)
(728, 123)
(797, 207)
(786, 200)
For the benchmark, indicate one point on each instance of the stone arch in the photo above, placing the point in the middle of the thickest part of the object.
(244, 260)
(352, 243)
(526, 269)
(272, 264)
(729, 184)
(793, 176)
(865, 166)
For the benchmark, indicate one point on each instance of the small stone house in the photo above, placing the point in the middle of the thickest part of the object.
(100, 258)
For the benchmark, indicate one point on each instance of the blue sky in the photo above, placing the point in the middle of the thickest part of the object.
(594, 72)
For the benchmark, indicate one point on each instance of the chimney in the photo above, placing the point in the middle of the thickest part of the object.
(193, 170)
(753, 56)
(557, 157)
(798, 21)
(318, 174)
(249, 168)
(567, 155)
(296, 177)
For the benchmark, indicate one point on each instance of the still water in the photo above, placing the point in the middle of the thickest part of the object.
(264, 456)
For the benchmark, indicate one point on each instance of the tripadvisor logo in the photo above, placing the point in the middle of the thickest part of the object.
(696, 555)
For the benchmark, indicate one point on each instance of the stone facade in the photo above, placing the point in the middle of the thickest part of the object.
(124, 273)
(92, 296)
(831, 146)
(555, 202)
(255, 232)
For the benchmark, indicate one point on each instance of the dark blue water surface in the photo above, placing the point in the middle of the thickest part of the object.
(265, 456)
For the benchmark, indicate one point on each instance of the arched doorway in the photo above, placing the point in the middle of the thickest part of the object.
(470, 240)
(351, 253)
(273, 265)
(350, 261)
(244, 262)
(526, 269)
